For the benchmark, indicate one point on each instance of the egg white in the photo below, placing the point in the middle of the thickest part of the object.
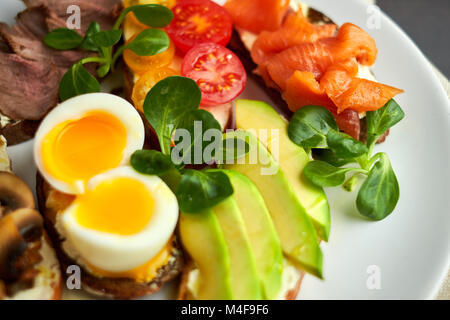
(77, 107)
(119, 253)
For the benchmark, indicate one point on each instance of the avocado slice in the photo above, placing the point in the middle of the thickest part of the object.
(245, 281)
(203, 239)
(292, 159)
(294, 227)
(261, 232)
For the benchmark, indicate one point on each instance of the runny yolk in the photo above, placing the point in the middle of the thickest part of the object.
(122, 206)
(80, 149)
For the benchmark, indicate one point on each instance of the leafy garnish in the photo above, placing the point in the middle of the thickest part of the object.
(200, 190)
(167, 103)
(196, 124)
(187, 136)
(88, 43)
(106, 38)
(63, 39)
(326, 175)
(77, 80)
(381, 120)
(310, 125)
(344, 146)
(380, 192)
(152, 15)
(151, 162)
(149, 42)
(314, 127)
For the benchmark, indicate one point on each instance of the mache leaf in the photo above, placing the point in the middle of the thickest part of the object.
(167, 104)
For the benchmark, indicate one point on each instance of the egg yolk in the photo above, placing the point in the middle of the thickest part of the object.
(122, 206)
(80, 149)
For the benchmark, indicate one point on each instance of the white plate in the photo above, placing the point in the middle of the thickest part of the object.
(411, 248)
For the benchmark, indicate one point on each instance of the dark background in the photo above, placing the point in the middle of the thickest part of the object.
(427, 22)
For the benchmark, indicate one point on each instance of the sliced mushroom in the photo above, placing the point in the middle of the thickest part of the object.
(14, 193)
(12, 245)
(17, 229)
(29, 222)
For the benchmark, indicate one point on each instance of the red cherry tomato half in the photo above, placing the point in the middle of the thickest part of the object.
(218, 72)
(199, 21)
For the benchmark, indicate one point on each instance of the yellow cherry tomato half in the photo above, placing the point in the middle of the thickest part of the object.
(142, 64)
(128, 3)
(167, 3)
(146, 82)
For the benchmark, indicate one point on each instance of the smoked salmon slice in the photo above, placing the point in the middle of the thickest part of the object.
(257, 15)
(303, 89)
(296, 29)
(348, 92)
(351, 42)
(310, 57)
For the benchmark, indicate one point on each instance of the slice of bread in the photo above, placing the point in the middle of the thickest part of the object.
(16, 132)
(184, 292)
(50, 203)
(47, 283)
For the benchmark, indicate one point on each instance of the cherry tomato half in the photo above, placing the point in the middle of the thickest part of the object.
(167, 3)
(199, 21)
(128, 3)
(141, 64)
(218, 72)
(146, 82)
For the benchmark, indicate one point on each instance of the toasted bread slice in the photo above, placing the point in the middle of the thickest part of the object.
(19, 131)
(50, 203)
(184, 293)
(47, 283)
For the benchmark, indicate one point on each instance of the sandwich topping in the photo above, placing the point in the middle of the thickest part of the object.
(316, 64)
(27, 265)
(122, 184)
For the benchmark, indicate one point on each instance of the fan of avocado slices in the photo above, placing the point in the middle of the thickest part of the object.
(256, 205)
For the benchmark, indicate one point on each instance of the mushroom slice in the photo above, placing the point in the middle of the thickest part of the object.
(14, 193)
(12, 245)
(29, 222)
(16, 230)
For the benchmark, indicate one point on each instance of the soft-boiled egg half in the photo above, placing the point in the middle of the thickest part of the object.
(85, 136)
(121, 225)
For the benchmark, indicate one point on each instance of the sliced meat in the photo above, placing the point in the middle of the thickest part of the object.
(26, 44)
(4, 47)
(348, 121)
(100, 10)
(32, 22)
(28, 89)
